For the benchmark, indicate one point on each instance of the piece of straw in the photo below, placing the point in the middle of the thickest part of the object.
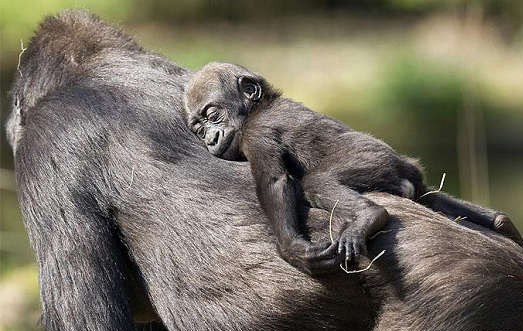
(364, 269)
(439, 189)
(330, 221)
(460, 218)
(379, 233)
(22, 50)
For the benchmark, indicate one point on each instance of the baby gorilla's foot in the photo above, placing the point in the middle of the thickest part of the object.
(503, 225)
(311, 258)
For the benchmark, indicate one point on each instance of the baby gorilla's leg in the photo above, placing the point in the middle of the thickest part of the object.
(363, 218)
(453, 207)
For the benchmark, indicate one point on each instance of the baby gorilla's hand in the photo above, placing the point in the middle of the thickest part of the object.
(353, 240)
(352, 244)
(311, 258)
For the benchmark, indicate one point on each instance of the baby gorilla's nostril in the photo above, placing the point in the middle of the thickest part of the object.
(216, 137)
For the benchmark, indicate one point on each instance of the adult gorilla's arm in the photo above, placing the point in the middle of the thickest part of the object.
(110, 177)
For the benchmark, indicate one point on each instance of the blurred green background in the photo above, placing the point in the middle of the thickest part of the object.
(437, 79)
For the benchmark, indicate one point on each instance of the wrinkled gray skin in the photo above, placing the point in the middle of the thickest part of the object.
(121, 200)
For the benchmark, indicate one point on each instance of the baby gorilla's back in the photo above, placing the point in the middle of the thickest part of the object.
(322, 145)
(365, 164)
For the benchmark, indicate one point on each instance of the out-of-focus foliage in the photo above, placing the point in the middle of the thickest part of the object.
(19, 299)
(18, 18)
(508, 14)
(431, 91)
(437, 79)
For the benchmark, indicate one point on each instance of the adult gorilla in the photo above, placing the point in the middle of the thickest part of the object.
(115, 190)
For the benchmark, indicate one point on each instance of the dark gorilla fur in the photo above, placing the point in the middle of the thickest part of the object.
(111, 181)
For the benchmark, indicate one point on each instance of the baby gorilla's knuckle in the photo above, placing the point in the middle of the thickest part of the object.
(407, 189)
(378, 214)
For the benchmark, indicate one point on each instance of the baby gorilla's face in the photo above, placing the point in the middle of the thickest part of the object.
(219, 132)
(217, 102)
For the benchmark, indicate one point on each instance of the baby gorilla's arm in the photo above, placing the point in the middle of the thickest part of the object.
(363, 218)
(280, 198)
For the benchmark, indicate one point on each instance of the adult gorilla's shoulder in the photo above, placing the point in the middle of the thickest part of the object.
(115, 190)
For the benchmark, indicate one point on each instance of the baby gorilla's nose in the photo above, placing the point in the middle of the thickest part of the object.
(213, 137)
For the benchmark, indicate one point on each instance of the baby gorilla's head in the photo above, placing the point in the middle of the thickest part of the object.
(218, 99)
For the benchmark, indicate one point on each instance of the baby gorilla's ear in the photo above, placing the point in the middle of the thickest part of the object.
(250, 88)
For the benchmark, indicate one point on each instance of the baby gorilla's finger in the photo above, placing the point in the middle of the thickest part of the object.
(321, 258)
(322, 251)
(349, 252)
(341, 246)
(363, 248)
(311, 258)
(356, 251)
(324, 266)
(360, 248)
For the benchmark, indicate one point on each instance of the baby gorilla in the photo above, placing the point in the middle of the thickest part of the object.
(297, 155)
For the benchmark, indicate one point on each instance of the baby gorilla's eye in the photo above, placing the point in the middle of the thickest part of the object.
(213, 115)
(200, 132)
